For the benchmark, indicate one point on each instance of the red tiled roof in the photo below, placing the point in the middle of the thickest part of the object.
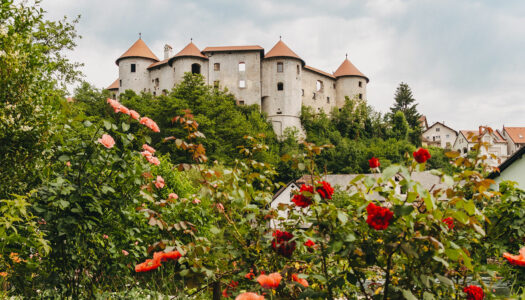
(282, 50)
(233, 48)
(190, 50)
(348, 69)
(157, 64)
(319, 71)
(114, 86)
(138, 49)
(516, 134)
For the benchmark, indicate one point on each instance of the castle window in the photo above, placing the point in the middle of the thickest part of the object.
(302, 92)
(216, 66)
(298, 69)
(120, 83)
(242, 84)
(133, 68)
(319, 86)
(154, 93)
(327, 99)
(195, 69)
(241, 102)
(242, 67)
(280, 86)
(279, 112)
(216, 84)
(313, 97)
(360, 84)
(334, 85)
(157, 82)
(360, 96)
(279, 67)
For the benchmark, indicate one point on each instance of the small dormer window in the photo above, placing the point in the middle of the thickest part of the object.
(133, 68)
(437, 129)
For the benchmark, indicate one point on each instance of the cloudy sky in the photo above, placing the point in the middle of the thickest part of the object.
(464, 60)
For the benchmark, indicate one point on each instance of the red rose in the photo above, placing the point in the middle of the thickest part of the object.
(474, 292)
(421, 155)
(281, 243)
(449, 221)
(302, 200)
(373, 163)
(378, 217)
(309, 243)
(325, 190)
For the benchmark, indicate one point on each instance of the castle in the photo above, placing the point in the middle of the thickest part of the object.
(278, 81)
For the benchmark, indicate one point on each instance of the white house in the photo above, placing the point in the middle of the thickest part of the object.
(466, 140)
(440, 135)
(515, 137)
(512, 169)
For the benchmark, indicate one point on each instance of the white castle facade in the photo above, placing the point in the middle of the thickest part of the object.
(278, 81)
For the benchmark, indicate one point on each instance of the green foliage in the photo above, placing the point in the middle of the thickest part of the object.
(405, 103)
(399, 126)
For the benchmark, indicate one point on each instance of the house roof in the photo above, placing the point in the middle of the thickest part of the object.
(158, 64)
(282, 50)
(233, 48)
(348, 69)
(190, 50)
(319, 71)
(138, 49)
(114, 86)
(423, 121)
(475, 133)
(436, 123)
(509, 161)
(516, 134)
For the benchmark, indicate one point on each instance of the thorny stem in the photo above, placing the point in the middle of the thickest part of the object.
(388, 267)
(325, 270)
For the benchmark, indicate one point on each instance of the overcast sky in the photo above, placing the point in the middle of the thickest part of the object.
(464, 60)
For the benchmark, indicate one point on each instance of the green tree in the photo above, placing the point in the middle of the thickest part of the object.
(404, 101)
(399, 126)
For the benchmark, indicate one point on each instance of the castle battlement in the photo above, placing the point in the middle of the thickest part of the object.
(278, 81)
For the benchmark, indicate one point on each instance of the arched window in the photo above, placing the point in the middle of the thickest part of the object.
(195, 69)
(280, 86)
(319, 86)
(465, 150)
(242, 67)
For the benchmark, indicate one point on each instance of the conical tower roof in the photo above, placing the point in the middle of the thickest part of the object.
(348, 69)
(282, 50)
(190, 50)
(114, 85)
(139, 49)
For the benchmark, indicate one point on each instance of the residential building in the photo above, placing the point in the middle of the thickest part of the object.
(440, 135)
(466, 140)
(515, 137)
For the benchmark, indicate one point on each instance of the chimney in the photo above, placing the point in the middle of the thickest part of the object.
(167, 51)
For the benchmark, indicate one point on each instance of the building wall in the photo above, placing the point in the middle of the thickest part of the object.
(461, 144)
(324, 98)
(514, 172)
(182, 65)
(166, 79)
(229, 75)
(282, 107)
(438, 132)
(136, 81)
(349, 86)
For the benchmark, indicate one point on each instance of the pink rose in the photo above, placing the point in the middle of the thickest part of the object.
(107, 141)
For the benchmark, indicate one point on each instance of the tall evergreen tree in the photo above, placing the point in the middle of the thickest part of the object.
(404, 102)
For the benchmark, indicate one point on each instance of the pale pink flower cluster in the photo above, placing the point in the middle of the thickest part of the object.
(173, 196)
(148, 154)
(150, 124)
(117, 107)
(107, 141)
(159, 183)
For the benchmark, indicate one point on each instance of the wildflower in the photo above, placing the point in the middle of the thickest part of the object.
(148, 148)
(134, 115)
(282, 244)
(148, 265)
(373, 163)
(107, 141)
(136, 243)
(220, 207)
(301, 281)
(271, 281)
(159, 183)
(421, 155)
(302, 200)
(517, 260)
(325, 190)
(450, 222)
(378, 217)
(3, 274)
(309, 243)
(249, 296)
(14, 257)
(173, 196)
(125, 252)
(474, 292)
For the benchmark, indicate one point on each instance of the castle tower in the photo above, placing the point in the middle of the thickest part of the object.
(133, 67)
(349, 82)
(189, 59)
(281, 88)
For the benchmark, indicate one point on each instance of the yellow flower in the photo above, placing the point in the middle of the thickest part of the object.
(358, 252)
(379, 241)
